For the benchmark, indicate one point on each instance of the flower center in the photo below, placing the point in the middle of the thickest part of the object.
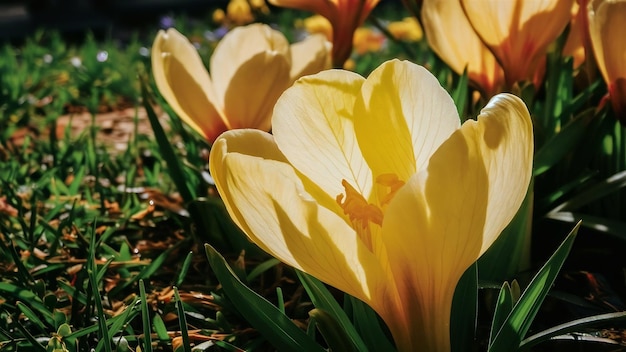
(361, 213)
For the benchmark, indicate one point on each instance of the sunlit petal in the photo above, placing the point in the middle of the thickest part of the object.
(185, 84)
(403, 116)
(313, 124)
(445, 217)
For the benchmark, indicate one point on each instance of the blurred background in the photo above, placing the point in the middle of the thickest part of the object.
(73, 18)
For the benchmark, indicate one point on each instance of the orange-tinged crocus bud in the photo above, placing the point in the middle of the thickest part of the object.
(518, 32)
(252, 66)
(344, 15)
(606, 28)
(461, 48)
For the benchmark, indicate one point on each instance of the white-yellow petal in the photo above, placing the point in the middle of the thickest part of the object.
(313, 127)
(446, 216)
(401, 117)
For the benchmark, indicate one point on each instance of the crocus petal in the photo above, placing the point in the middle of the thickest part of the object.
(185, 84)
(313, 127)
(310, 56)
(518, 32)
(606, 23)
(244, 141)
(401, 116)
(461, 48)
(250, 69)
(268, 201)
(446, 216)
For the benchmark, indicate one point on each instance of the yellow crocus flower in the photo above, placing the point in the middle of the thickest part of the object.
(407, 29)
(373, 186)
(452, 38)
(606, 28)
(318, 24)
(367, 40)
(239, 12)
(518, 32)
(251, 67)
(344, 15)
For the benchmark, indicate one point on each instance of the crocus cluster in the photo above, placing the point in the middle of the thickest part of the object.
(499, 42)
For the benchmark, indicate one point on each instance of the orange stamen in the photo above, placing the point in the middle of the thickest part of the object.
(357, 208)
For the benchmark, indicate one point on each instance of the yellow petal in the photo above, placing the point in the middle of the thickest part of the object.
(401, 117)
(310, 56)
(461, 47)
(518, 32)
(267, 200)
(313, 127)
(245, 141)
(446, 216)
(250, 69)
(185, 84)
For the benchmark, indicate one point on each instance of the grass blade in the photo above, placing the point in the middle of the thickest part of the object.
(145, 318)
(367, 323)
(105, 338)
(572, 326)
(324, 300)
(277, 328)
(465, 309)
(518, 322)
(182, 321)
(173, 164)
